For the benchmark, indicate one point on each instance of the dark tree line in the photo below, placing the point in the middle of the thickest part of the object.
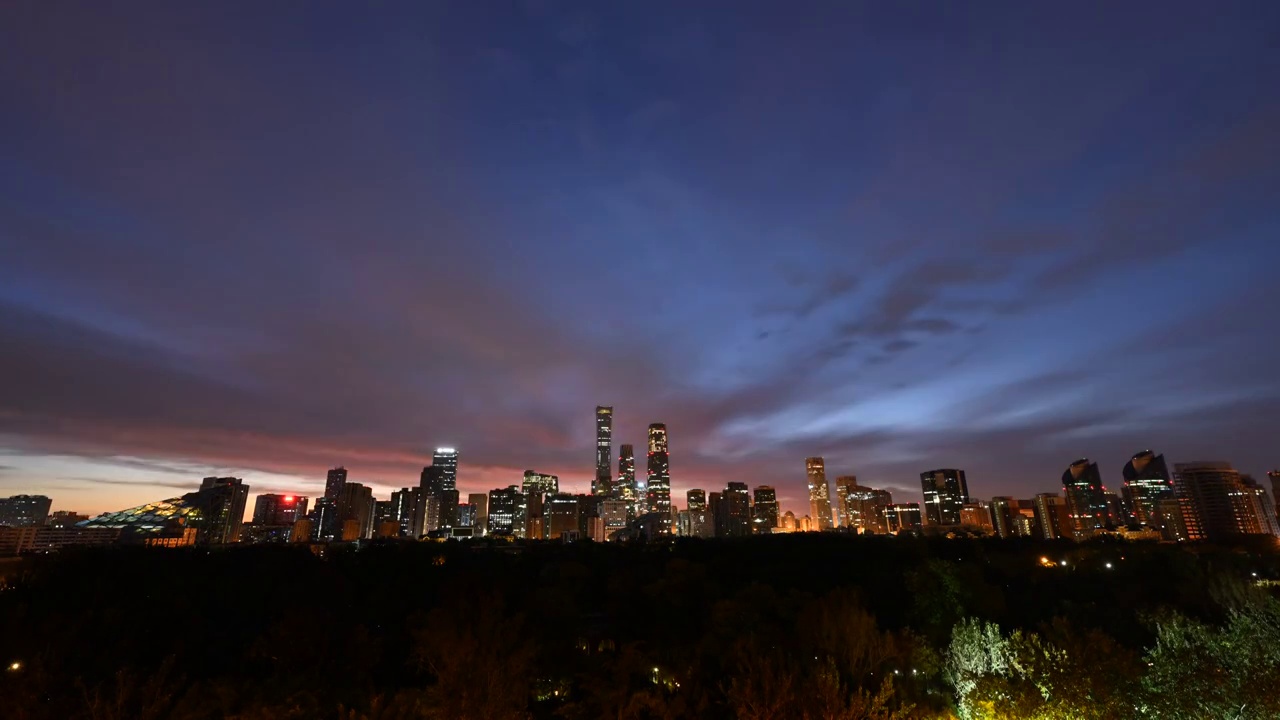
(803, 626)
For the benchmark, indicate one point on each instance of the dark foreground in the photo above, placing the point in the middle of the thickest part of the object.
(776, 627)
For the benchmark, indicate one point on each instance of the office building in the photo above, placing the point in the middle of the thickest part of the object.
(507, 511)
(627, 490)
(1146, 483)
(819, 494)
(603, 485)
(1052, 517)
(562, 515)
(447, 460)
(1262, 506)
(24, 511)
(616, 514)
(864, 508)
(65, 518)
(734, 511)
(1217, 501)
(333, 483)
(404, 508)
(658, 483)
(356, 505)
(1274, 477)
(480, 502)
(221, 502)
(1086, 499)
(903, 517)
(976, 515)
(945, 492)
(764, 514)
(324, 520)
(540, 484)
(302, 531)
(696, 499)
(1002, 512)
(845, 486)
(271, 509)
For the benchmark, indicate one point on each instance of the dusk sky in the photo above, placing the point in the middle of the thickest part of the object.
(268, 238)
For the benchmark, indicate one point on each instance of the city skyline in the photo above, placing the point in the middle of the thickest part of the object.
(997, 241)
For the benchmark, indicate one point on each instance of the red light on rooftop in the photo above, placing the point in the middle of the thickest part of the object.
(288, 498)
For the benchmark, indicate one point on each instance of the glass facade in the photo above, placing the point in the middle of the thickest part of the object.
(150, 518)
(945, 492)
(603, 483)
(658, 487)
(1086, 498)
(819, 493)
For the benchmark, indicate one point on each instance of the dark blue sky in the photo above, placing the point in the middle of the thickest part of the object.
(268, 238)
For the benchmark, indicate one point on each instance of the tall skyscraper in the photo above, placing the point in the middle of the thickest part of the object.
(540, 484)
(945, 492)
(627, 490)
(270, 509)
(447, 460)
(1218, 500)
(659, 474)
(333, 483)
(603, 483)
(221, 501)
(1086, 498)
(819, 493)
(696, 499)
(1146, 483)
(24, 510)
(507, 511)
(765, 512)
(1003, 509)
(845, 486)
(356, 505)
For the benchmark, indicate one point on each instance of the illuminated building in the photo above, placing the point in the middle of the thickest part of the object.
(466, 515)
(221, 502)
(540, 484)
(561, 511)
(627, 490)
(845, 486)
(658, 484)
(333, 483)
(696, 499)
(977, 515)
(404, 507)
(388, 529)
(1146, 483)
(1023, 525)
(507, 511)
(805, 524)
(788, 521)
(864, 509)
(819, 494)
(733, 511)
(270, 509)
(24, 510)
(1086, 498)
(65, 518)
(301, 531)
(616, 514)
(1173, 520)
(356, 505)
(1263, 508)
(324, 520)
(684, 524)
(764, 516)
(480, 502)
(149, 519)
(903, 517)
(1052, 517)
(1002, 511)
(447, 460)
(945, 492)
(1274, 477)
(449, 509)
(1217, 502)
(603, 483)
(596, 530)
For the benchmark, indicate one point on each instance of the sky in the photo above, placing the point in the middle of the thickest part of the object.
(266, 239)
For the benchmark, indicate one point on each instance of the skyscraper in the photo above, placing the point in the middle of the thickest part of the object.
(333, 483)
(902, 517)
(1217, 500)
(562, 515)
(221, 501)
(404, 507)
(735, 511)
(507, 511)
(356, 505)
(845, 486)
(1086, 498)
(696, 499)
(866, 509)
(945, 492)
(1052, 517)
(819, 493)
(603, 483)
(447, 460)
(659, 475)
(270, 509)
(627, 491)
(1263, 508)
(540, 484)
(1146, 483)
(24, 510)
(480, 502)
(1003, 509)
(765, 513)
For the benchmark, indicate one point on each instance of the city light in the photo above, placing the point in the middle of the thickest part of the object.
(1108, 566)
(15, 666)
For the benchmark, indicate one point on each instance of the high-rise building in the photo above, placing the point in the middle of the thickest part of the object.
(480, 502)
(658, 484)
(507, 511)
(1274, 477)
(976, 514)
(324, 520)
(819, 493)
(627, 490)
(1217, 501)
(696, 499)
(616, 515)
(789, 522)
(25, 511)
(603, 483)
(356, 505)
(404, 507)
(846, 485)
(271, 509)
(903, 517)
(1263, 508)
(536, 483)
(467, 516)
(1052, 517)
(221, 501)
(945, 492)
(333, 483)
(1146, 483)
(65, 519)
(1003, 509)
(734, 518)
(764, 516)
(447, 460)
(562, 515)
(1086, 498)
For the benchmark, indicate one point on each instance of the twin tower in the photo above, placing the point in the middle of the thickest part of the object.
(649, 495)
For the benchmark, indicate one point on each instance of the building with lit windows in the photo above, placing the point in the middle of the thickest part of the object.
(627, 490)
(1146, 483)
(733, 511)
(945, 492)
(658, 484)
(1263, 508)
(603, 485)
(150, 519)
(616, 515)
(846, 485)
(507, 511)
(1052, 517)
(1218, 504)
(819, 493)
(865, 509)
(404, 507)
(696, 499)
(541, 484)
(24, 511)
(976, 515)
(333, 482)
(480, 502)
(221, 501)
(1086, 499)
(764, 514)
(447, 460)
(65, 518)
(1002, 511)
(356, 505)
(271, 509)
(903, 517)
(561, 512)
